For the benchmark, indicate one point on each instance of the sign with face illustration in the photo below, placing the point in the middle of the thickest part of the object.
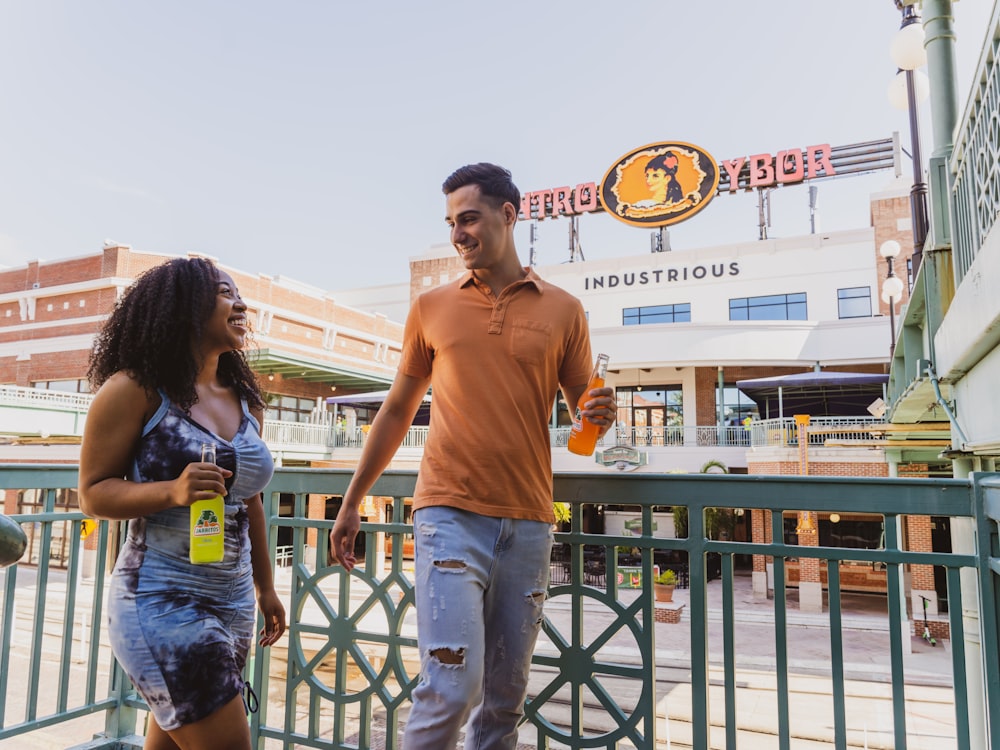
(668, 182)
(660, 184)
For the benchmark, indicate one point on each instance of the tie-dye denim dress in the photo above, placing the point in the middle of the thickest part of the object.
(182, 631)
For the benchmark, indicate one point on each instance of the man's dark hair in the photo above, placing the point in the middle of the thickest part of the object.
(152, 330)
(494, 183)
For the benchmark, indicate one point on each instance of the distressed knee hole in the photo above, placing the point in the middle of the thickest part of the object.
(452, 564)
(537, 597)
(449, 656)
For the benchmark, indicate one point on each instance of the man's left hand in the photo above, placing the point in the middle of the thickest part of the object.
(601, 408)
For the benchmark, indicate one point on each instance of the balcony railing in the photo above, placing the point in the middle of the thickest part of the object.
(307, 437)
(665, 436)
(12, 395)
(975, 182)
(784, 432)
(766, 432)
(342, 675)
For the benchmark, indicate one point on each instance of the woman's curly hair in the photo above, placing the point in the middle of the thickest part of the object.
(149, 334)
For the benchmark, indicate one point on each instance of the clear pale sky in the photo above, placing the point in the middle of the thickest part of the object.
(309, 139)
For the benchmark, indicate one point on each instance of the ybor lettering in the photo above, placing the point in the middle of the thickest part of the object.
(787, 167)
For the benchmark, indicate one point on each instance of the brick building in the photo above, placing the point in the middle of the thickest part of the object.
(305, 345)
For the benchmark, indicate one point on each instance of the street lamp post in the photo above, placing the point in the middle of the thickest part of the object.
(907, 51)
(892, 288)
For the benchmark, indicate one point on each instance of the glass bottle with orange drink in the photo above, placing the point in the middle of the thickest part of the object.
(583, 435)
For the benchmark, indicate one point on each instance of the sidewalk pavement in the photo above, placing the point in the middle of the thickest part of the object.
(930, 709)
(928, 675)
(864, 626)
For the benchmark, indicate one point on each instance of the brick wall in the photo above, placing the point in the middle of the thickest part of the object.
(820, 468)
(760, 531)
(940, 629)
(891, 221)
(852, 577)
(760, 521)
(706, 383)
(301, 318)
(427, 273)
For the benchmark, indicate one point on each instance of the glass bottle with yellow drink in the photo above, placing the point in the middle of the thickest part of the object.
(208, 540)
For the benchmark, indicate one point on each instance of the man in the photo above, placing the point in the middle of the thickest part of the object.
(497, 345)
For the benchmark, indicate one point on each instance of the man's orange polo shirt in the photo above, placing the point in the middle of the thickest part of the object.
(496, 365)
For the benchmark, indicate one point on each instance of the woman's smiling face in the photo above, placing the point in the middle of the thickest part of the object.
(227, 326)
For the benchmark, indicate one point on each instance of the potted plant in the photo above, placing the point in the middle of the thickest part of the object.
(663, 586)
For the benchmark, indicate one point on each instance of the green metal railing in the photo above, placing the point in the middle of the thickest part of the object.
(343, 674)
(975, 181)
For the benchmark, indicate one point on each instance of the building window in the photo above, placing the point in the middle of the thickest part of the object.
(638, 316)
(650, 414)
(736, 405)
(64, 386)
(289, 409)
(854, 302)
(862, 532)
(771, 307)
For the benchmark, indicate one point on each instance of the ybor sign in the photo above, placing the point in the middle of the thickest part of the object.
(787, 167)
(664, 183)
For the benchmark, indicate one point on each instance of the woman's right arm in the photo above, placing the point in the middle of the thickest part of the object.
(112, 430)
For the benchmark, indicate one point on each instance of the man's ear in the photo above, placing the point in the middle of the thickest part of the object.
(510, 213)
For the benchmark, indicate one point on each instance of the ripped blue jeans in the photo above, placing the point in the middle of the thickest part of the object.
(480, 586)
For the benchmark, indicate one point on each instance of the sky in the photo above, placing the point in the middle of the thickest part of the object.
(309, 139)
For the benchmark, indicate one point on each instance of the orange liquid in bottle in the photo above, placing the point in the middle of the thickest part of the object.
(584, 433)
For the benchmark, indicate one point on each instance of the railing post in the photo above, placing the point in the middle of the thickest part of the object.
(121, 722)
(980, 616)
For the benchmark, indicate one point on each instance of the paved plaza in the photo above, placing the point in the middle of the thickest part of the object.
(930, 705)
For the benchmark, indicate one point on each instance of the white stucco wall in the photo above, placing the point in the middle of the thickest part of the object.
(708, 278)
(966, 348)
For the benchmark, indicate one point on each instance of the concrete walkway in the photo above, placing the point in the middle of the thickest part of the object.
(930, 710)
(928, 674)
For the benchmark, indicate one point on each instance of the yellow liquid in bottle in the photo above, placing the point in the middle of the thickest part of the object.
(208, 522)
(208, 542)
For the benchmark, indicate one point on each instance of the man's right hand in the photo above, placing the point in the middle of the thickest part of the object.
(345, 531)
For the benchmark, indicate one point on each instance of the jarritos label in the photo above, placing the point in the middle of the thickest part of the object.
(208, 524)
(660, 184)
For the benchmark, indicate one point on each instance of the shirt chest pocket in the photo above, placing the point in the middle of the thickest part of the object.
(529, 341)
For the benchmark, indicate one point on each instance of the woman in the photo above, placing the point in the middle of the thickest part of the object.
(170, 375)
(661, 179)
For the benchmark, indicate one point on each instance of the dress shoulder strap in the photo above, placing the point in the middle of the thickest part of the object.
(165, 404)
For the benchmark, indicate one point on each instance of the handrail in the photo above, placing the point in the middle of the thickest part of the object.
(975, 174)
(282, 435)
(14, 395)
(783, 432)
(349, 657)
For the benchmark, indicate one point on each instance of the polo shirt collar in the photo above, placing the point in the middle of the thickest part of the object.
(532, 279)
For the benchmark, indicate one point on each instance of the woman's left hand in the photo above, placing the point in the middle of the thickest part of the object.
(274, 618)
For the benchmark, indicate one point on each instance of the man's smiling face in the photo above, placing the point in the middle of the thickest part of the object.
(480, 231)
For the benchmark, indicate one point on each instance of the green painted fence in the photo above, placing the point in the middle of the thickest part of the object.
(342, 676)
